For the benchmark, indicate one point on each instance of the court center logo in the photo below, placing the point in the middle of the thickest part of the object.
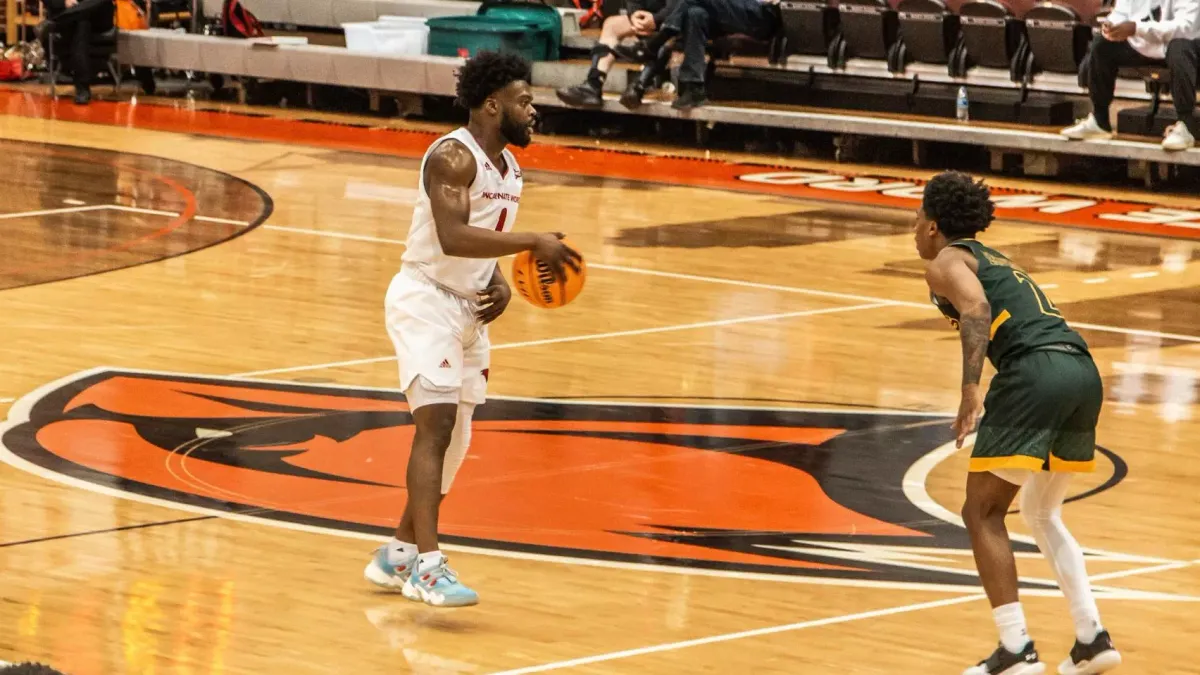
(754, 490)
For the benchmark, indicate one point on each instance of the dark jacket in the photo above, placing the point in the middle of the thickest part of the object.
(659, 8)
(58, 8)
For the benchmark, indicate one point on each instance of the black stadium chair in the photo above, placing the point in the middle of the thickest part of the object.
(869, 28)
(929, 33)
(810, 27)
(1059, 38)
(992, 37)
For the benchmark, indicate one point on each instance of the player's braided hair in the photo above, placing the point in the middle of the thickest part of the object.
(961, 207)
(487, 72)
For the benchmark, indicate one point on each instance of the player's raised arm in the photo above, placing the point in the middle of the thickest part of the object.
(448, 175)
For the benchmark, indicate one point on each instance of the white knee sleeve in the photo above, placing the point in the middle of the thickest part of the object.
(1042, 499)
(1041, 506)
(460, 440)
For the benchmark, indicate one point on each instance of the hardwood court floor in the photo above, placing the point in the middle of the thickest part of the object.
(730, 454)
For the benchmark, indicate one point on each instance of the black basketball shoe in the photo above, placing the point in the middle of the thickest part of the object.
(1004, 662)
(1099, 656)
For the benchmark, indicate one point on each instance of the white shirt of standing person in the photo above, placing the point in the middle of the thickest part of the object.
(1130, 20)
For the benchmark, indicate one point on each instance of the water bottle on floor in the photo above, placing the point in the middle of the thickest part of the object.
(963, 106)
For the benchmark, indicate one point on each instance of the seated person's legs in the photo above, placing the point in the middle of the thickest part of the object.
(78, 21)
(80, 39)
(1183, 58)
(615, 29)
(649, 75)
(708, 19)
(698, 25)
(1106, 59)
(695, 22)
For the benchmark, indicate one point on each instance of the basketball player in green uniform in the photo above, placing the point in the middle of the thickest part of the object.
(1039, 427)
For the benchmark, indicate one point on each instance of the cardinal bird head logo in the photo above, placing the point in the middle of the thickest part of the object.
(832, 495)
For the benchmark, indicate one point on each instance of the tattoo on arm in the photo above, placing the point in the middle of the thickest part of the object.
(950, 277)
(974, 328)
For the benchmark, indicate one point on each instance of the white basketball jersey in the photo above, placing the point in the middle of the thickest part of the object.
(494, 198)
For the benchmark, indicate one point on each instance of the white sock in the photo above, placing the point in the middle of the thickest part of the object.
(1010, 619)
(1041, 505)
(1087, 622)
(399, 552)
(428, 560)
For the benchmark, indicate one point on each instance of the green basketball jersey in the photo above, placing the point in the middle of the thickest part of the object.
(1023, 318)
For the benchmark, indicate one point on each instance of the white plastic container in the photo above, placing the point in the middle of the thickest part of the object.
(388, 37)
(401, 20)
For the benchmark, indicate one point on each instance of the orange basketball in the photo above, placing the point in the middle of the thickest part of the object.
(536, 283)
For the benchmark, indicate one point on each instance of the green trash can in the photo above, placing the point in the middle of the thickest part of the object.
(464, 36)
(532, 29)
(531, 11)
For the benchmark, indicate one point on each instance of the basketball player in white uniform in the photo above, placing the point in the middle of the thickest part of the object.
(438, 306)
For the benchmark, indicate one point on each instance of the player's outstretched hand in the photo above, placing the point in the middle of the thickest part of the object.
(493, 300)
(551, 250)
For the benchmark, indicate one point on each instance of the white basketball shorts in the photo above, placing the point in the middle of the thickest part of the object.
(438, 338)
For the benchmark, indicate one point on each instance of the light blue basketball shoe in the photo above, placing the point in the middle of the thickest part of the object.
(439, 586)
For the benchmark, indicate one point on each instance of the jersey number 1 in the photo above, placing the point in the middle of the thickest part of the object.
(500, 222)
(1044, 304)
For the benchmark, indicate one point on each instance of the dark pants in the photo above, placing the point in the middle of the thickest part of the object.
(78, 35)
(1183, 58)
(698, 21)
(78, 25)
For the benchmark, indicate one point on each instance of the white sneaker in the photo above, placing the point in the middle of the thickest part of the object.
(1178, 137)
(1085, 130)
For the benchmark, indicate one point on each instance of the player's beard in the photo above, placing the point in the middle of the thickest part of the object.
(514, 132)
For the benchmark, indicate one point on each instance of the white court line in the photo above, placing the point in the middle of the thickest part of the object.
(1136, 331)
(761, 286)
(321, 233)
(317, 366)
(753, 284)
(588, 336)
(172, 214)
(1166, 567)
(637, 270)
(618, 268)
(726, 637)
(713, 639)
(49, 212)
